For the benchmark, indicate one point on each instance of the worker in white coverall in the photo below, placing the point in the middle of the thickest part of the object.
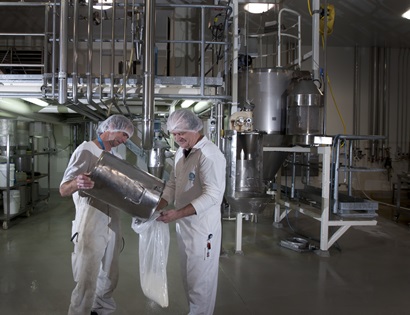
(196, 187)
(96, 230)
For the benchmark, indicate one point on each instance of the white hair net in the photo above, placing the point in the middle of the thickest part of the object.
(116, 123)
(184, 120)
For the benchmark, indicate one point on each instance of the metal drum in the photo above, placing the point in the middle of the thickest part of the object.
(125, 186)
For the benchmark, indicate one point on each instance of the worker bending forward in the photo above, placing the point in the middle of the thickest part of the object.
(196, 188)
(96, 231)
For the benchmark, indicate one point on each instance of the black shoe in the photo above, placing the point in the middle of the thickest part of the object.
(94, 313)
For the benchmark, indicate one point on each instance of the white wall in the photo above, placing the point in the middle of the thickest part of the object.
(340, 69)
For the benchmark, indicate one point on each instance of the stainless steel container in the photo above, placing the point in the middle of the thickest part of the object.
(305, 112)
(245, 190)
(156, 161)
(22, 136)
(24, 164)
(125, 186)
(264, 90)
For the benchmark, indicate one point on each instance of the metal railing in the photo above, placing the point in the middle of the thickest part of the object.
(73, 65)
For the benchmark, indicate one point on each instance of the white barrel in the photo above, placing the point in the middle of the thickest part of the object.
(3, 174)
(14, 201)
(8, 130)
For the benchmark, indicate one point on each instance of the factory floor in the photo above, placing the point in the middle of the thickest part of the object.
(366, 272)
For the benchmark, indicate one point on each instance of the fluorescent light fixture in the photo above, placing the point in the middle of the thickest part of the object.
(101, 4)
(406, 15)
(201, 106)
(36, 101)
(187, 103)
(257, 8)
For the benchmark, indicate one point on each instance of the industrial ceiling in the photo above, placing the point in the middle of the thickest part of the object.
(363, 22)
(357, 23)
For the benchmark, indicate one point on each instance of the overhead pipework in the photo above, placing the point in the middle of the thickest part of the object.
(101, 62)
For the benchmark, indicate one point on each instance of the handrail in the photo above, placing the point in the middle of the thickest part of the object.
(281, 34)
(104, 86)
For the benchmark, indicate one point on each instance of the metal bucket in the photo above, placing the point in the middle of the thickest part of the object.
(125, 186)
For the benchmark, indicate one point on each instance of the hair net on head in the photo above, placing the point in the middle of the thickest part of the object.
(184, 120)
(116, 123)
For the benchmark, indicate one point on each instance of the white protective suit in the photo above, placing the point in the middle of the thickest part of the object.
(199, 179)
(97, 239)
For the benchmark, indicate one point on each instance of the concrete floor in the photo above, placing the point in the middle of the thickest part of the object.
(367, 271)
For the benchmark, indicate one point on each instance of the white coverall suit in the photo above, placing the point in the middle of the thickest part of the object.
(97, 239)
(199, 179)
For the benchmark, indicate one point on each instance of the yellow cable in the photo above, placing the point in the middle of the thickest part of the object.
(327, 76)
(334, 101)
(310, 10)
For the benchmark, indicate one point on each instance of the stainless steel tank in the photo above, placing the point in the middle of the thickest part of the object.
(263, 89)
(156, 161)
(125, 186)
(304, 112)
(156, 158)
(245, 190)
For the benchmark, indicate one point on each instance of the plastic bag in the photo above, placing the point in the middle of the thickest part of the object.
(153, 258)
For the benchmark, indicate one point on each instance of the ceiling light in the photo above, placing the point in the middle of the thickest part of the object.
(101, 4)
(257, 8)
(187, 103)
(36, 101)
(406, 15)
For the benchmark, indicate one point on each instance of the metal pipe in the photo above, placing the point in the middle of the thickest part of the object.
(75, 54)
(235, 50)
(219, 124)
(202, 50)
(226, 57)
(373, 100)
(405, 117)
(325, 83)
(349, 174)
(53, 58)
(90, 53)
(293, 182)
(148, 85)
(100, 88)
(62, 74)
(315, 40)
(91, 135)
(24, 4)
(386, 89)
(124, 56)
(356, 94)
(24, 34)
(112, 64)
(336, 154)
(399, 81)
